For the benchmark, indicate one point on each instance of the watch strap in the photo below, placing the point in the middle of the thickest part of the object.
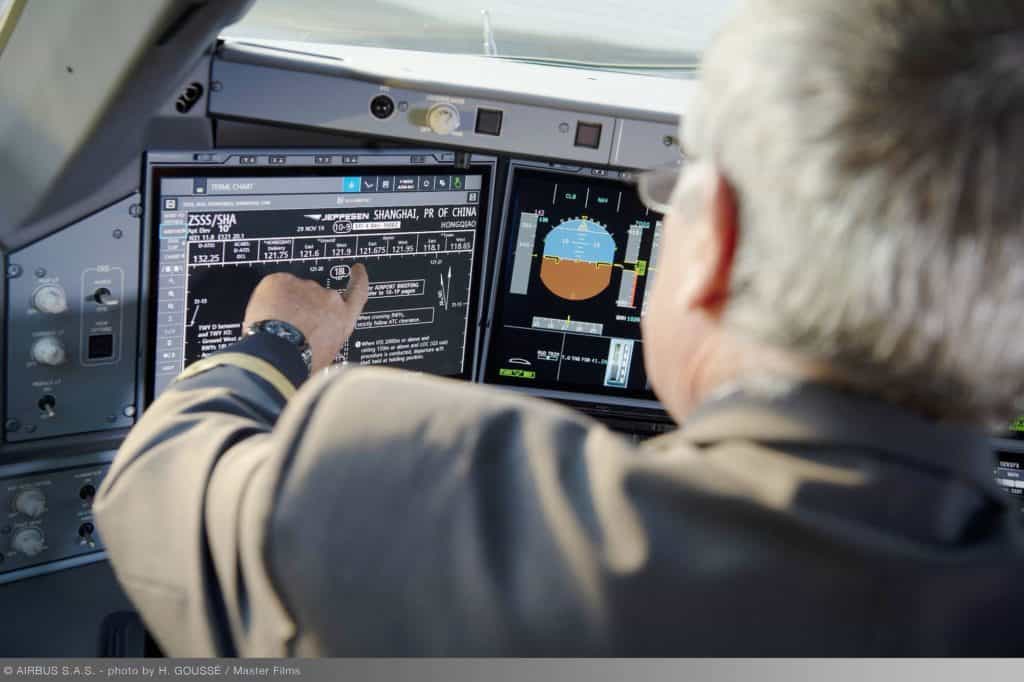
(288, 332)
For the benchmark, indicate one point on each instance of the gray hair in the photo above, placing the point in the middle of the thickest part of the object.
(876, 148)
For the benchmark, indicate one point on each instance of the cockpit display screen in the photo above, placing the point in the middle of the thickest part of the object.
(579, 254)
(420, 232)
(1009, 475)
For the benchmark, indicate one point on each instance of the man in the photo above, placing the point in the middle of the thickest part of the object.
(836, 318)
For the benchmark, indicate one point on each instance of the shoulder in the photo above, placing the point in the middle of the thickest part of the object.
(404, 434)
(448, 518)
(379, 407)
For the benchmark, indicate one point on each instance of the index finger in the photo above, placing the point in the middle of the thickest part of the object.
(358, 287)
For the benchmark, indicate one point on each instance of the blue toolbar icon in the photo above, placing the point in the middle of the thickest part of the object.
(351, 184)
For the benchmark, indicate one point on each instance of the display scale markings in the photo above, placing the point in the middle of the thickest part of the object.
(329, 258)
(292, 259)
(551, 331)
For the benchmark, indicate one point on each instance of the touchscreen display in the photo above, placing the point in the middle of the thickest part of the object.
(419, 232)
(579, 254)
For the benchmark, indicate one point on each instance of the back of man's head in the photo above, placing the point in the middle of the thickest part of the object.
(874, 146)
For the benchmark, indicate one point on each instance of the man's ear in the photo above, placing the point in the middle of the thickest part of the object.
(720, 235)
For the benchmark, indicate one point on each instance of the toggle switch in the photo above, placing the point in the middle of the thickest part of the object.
(104, 296)
(86, 531)
(48, 405)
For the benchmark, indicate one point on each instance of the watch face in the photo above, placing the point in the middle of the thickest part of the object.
(284, 330)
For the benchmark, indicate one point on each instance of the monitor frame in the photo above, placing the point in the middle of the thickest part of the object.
(326, 161)
(579, 397)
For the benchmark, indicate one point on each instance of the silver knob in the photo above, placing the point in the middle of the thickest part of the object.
(48, 350)
(50, 299)
(443, 119)
(31, 503)
(28, 541)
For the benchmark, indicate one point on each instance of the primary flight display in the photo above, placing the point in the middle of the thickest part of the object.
(579, 254)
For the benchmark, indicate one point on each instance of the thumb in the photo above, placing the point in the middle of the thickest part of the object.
(358, 289)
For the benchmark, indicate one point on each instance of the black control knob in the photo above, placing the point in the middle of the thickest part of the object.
(382, 106)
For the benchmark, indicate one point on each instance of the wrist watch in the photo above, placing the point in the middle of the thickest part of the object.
(289, 333)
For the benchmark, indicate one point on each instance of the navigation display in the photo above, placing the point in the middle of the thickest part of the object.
(419, 232)
(579, 253)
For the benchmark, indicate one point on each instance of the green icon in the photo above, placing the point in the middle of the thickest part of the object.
(517, 373)
(641, 268)
(456, 182)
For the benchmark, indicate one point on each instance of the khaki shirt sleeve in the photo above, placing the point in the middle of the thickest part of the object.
(170, 510)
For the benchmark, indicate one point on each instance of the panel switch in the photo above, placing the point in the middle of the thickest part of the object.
(488, 121)
(588, 135)
(101, 347)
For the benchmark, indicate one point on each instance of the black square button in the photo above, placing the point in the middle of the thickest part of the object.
(488, 121)
(588, 135)
(101, 346)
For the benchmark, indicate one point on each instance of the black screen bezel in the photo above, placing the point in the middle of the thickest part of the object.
(158, 171)
(502, 266)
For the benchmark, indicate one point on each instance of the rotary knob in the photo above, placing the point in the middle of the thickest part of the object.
(50, 299)
(48, 350)
(443, 119)
(28, 541)
(31, 503)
